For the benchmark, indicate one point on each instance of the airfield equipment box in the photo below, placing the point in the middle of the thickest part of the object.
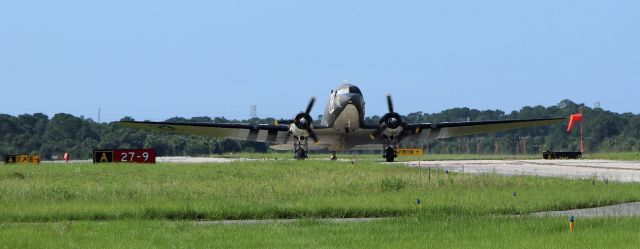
(125, 156)
(561, 155)
(21, 159)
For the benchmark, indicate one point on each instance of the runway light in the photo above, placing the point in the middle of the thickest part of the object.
(514, 194)
(418, 202)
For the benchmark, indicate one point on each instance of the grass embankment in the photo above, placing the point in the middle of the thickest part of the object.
(281, 189)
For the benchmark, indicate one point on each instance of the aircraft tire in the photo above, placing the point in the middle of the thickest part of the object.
(390, 155)
(301, 154)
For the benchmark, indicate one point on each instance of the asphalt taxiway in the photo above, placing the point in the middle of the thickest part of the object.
(606, 170)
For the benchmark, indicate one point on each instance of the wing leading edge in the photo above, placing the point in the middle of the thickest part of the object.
(258, 133)
(431, 131)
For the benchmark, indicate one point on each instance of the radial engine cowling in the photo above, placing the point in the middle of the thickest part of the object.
(302, 125)
(391, 124)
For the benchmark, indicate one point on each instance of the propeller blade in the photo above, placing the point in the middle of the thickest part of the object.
(312, 135)
(389, 103)
(373, 135)
(313, 100)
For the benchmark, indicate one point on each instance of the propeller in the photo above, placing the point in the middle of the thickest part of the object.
(310, 105)
(392, 119)
(304, 121)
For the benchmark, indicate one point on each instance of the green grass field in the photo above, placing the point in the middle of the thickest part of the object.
(425, 232)
(124, 205)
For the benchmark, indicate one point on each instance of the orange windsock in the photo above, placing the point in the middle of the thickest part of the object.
(574, 118)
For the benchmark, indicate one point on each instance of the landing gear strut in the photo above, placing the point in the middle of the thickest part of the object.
(389, 148)
(300, 145)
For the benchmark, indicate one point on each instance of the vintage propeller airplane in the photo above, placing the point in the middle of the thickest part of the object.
(342, 128)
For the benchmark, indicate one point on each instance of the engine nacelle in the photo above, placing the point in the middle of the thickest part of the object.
(297, 131)
(391, 125)
(301, 125)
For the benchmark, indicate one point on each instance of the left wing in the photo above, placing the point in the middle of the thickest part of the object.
(430, 131)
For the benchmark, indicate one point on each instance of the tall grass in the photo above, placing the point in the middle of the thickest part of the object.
(413, 232)
(281, 189)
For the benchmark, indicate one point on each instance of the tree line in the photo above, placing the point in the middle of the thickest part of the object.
(50, 137)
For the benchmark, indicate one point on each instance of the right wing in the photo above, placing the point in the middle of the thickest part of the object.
(278, 136)
(258, 133)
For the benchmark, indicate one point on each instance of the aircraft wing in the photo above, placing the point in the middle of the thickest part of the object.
(430, 131)
(258, 133)
(277, 136)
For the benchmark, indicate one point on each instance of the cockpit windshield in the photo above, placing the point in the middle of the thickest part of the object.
(355, 90)
(349, 89)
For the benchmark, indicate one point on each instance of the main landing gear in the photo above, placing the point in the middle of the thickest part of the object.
(389, 148)
(300, 146)
(333, 156)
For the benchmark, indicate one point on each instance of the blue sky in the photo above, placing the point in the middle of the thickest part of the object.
(159, 59)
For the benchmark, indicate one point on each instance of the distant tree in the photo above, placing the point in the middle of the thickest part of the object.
(49, 137)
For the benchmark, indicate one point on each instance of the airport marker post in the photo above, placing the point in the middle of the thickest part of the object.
(572, 223)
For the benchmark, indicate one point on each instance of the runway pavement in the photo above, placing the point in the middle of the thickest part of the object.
(619, 210)
(622, 171)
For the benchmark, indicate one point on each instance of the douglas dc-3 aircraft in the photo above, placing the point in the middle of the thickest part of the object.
(342, 128)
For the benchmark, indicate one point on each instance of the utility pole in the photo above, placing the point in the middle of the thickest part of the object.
(466, 140)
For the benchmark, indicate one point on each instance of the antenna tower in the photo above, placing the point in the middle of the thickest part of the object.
(253, 111)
